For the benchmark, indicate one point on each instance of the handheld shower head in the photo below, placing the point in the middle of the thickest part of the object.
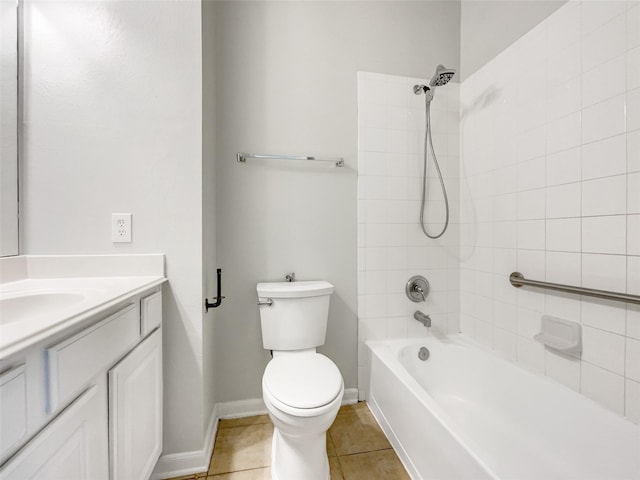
(442, 76)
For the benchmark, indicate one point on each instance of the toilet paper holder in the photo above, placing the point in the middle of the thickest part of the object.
(218, 298)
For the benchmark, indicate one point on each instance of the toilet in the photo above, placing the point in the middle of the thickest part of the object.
(302, 389)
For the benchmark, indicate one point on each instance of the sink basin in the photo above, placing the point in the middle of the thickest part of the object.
(22, 306)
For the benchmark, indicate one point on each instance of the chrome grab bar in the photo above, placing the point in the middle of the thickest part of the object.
(268, 302)
(518, 280)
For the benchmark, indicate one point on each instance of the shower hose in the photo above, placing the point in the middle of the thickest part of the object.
(428, 145)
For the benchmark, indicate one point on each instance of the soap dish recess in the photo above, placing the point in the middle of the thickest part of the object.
(562, 335)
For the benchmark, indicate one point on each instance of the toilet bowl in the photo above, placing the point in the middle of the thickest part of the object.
(302, 393)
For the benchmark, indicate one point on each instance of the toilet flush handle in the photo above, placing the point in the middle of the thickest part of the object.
(268, 302)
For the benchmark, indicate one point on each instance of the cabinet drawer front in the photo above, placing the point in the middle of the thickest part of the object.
(13, 408)
(73, 362)
(151, 313)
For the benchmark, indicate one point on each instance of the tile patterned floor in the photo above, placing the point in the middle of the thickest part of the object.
(357, 449)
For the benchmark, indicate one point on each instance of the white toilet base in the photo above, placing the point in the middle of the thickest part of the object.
(299, 457)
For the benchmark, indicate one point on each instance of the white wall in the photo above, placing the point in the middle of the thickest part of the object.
(391, 245)
(8, 129)
(209, 258)
(286, 83)
(490, 26)
(113, 123)
(551, 156)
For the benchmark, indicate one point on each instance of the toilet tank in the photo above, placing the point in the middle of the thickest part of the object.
(297, 316)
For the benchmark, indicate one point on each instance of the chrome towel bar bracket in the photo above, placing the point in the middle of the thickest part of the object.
(242, 158)
(518, 280)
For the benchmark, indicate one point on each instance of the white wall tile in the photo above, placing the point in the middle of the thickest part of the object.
(633, 275)
(528, 322)
(580, 143)
(531, 234)
(604, 158)
(604, 196)
(563, 98)
(604, 119)
(603, 386)
(563, 133)
(632, 401)
(604, 234)
(633, 68)
(598, 12)
(563, 267)
(633, 151)
(604, 272)
(633, 110)
(564, 201)
(564, 167)
(633, 359)
(633, 234)
(563, 234)
(604, 314)
(633, 321)
(633, 199)
(531, 204)
(633, 27)
(604, 43)
(603, 349)
(563, 305)
(564, 27)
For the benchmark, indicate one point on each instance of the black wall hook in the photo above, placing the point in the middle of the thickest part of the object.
(218, 298)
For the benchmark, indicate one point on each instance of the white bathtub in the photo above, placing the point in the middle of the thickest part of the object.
(466, 413)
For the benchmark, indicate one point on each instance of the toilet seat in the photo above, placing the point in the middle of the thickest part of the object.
(302, 385)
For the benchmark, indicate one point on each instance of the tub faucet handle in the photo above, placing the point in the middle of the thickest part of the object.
(290, 277)
(416, 288)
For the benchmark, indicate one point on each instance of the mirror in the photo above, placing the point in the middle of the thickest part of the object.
(8, 127)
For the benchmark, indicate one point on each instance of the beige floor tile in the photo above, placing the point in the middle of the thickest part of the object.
(331, 451)
(254, 474)
(382, 464)
(352, 408)
(357, 432)
(193, 476)
(334, 469)
(239, 422)
(242, 448)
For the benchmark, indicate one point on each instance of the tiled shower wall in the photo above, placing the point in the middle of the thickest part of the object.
(391, 245)
(550, 187)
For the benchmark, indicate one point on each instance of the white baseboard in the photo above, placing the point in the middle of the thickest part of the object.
(350, 396)
(241, 408)
(187, 463)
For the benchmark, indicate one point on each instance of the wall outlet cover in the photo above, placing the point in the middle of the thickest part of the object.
(121, 227)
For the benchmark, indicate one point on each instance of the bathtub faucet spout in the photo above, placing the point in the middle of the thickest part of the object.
(422, 318)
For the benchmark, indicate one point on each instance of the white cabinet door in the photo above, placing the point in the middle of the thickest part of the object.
(135, 411)
(73, 446)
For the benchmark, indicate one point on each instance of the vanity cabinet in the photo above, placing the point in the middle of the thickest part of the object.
(87, 404)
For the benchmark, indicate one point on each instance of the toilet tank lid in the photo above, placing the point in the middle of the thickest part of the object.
(313, 288)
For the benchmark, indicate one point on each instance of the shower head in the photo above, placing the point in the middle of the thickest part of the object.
(442, 76)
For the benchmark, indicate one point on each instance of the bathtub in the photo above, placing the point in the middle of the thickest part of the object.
(466, 413)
